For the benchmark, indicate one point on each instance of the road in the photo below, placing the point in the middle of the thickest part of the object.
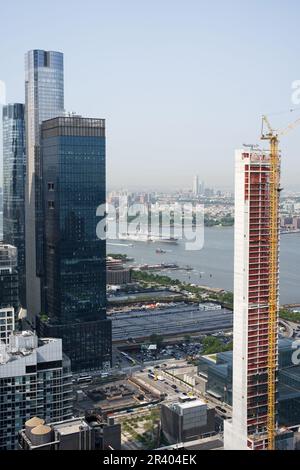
(288, 328)
(189, 388)
(169, 374)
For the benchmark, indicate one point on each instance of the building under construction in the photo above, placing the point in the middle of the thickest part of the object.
(256, 301)
(256, 297)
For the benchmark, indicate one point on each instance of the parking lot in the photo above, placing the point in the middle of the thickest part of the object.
(188, 348)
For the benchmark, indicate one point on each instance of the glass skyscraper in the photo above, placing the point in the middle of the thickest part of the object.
(73, 174)
(14, 185)
(44, 94)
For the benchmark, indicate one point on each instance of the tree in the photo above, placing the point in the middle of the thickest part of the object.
(187, 339)
(156, 339)
(213, 345)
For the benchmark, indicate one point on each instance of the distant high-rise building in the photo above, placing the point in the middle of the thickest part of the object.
(201, 187)
(196, 185)
(73, 173)
(256, 272)
(35, 379)
(44, 99)
(14, 166)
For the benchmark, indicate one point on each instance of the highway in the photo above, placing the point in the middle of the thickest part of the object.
(139, 324)
(288, 328)
(206, 397)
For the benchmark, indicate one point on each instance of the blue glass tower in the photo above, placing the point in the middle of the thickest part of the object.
(44, 94)
(73, 174)
(14, 166)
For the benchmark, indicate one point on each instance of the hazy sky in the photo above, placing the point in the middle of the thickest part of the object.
(181, 83)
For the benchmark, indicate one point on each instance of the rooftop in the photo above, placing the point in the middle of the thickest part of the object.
(21, 344)
(71, 427)
(190, 404)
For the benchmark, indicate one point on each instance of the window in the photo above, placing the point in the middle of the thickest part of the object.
(50, 204)
(50, 186)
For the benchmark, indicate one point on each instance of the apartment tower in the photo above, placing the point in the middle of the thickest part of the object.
(256, 302)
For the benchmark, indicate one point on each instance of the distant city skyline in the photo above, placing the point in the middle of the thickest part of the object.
(176, 104)
(147, 188)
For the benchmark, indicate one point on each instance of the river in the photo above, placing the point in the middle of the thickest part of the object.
(213, 265)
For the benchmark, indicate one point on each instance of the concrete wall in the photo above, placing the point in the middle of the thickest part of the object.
(235, 436)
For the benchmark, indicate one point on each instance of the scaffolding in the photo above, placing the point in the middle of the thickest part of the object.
(273, 293)
(273, 138)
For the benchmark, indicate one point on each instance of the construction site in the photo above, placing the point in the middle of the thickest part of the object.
(254, 424)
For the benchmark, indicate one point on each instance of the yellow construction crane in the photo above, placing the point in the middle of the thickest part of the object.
(273, 137)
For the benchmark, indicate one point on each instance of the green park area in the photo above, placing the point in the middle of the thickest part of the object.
(200, 293)
(289, 315)
(143, 429)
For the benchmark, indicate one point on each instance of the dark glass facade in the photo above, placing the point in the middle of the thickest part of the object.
(219, 380)
(73, 174)
(14, 185)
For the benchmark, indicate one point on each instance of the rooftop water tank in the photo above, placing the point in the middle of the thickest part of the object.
(41, 435)
(32, 423)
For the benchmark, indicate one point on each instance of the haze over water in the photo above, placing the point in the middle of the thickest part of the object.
(213, 265)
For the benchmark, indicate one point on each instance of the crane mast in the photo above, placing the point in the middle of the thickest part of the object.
(273, 137)
(273, 284)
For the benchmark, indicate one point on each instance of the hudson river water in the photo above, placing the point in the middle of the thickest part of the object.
(213, 265)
